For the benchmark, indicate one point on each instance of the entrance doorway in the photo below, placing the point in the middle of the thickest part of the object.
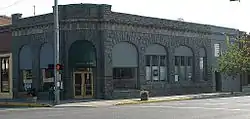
(83, 84)
(218, 82)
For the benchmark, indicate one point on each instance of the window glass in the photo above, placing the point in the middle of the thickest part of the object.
(124, 78)
(123, 73)
(162, 60)
(177, 60)
(48, 79)
(182, 61)
(148, 60)
(201, 63)
(5, 86)
(155, 60)
(190, 61)
(27, 79)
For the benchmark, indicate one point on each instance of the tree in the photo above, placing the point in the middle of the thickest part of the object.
(235, 60)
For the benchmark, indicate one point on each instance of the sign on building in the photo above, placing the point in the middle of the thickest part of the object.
(217, 50)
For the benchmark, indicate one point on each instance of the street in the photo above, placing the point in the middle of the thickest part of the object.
(217, 108)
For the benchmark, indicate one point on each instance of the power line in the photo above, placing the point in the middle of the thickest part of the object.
(15, 3)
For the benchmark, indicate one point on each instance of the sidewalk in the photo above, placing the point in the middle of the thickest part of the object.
(103, 103)
(6, 103)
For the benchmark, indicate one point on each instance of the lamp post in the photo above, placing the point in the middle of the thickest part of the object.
(56, 53)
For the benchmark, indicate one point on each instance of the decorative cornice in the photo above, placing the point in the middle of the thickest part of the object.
(158, 23)
(95, 25)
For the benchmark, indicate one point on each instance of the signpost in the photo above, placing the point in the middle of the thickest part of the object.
(56, 54)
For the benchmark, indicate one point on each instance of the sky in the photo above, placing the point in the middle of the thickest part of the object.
(215, 12)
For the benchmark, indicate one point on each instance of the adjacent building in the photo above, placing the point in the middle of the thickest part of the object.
(110, 55)
(5, 58)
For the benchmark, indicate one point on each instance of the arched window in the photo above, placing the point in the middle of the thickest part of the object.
(125, 65)
(25, 65)
(183, 63)
(47, 61)
(156, 57)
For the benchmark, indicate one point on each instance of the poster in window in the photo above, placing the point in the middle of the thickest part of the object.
(189, 76)
(148, 73)
(201, 62)
(162, 73)
(155, 72)
(27, 79)
(176, 78)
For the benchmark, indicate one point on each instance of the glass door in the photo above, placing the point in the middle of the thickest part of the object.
(78, 84)
(88, 84)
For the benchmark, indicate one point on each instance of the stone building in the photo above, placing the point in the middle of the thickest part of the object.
(5, 58)
(112, 55)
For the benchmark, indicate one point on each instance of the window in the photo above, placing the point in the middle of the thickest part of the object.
(177, 60)
(124, 78)
(162, 60)
(123, 73)
(156, 70)
(201, 63)
(183, 67)
(48, 79)
(189, 67)
(49, 73)
(217, 50)
(155, 60)
(5, 81)
(182, 61)
(27, 78)
(203, 68)
(148, 60)
(190, 61)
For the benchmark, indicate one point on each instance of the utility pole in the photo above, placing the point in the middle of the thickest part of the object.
(56, 53)
(34, 10)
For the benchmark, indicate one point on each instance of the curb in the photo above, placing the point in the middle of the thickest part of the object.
(130, 102)
(18, 104)
(152, 101)
(76, 106)
(23, 109)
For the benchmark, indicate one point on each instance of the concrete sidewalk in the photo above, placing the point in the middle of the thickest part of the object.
(103, 103)
(13, 103)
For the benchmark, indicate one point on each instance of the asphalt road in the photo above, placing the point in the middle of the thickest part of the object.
(220, 108)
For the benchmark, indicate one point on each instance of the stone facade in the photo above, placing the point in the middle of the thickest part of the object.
(104, 29)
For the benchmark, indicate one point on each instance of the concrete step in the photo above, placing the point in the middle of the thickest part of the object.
(245, 88)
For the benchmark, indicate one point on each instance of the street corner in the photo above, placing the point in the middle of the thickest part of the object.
(20, 104)
(153, 100)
